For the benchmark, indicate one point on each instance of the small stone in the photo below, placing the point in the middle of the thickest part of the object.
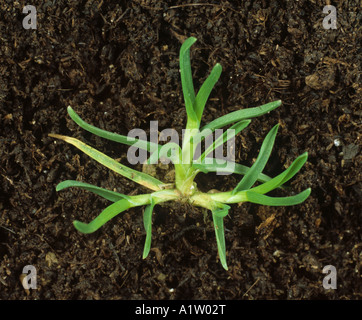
(322, 79)
(350, 151)
(50, 259)
(337, 142)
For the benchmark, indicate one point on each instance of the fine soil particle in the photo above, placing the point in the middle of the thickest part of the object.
(116, 64)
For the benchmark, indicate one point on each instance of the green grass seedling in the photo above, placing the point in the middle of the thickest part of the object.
(253, 186)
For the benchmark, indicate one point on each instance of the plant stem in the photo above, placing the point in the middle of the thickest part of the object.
(208, 200)
(184, 172)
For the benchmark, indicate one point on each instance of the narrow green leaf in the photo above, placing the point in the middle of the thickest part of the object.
(142, 144)
(222, 211)
(252, 175)
(170, 147)
(283, 177)
(107, 194)
(242, 115)
(277, 201)
(237, 127)
(206, 89)
(106, 215)
(186, 78)
(220, 236)
(134, 175)
(147, 222)
(227, 167)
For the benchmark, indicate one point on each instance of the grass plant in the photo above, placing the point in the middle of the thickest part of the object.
(253, 185)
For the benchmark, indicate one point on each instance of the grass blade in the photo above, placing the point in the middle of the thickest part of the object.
(106, 215)
(142, 144)
(134, 175)
(252, 175)
(237, 127)
(283, 177)
(222, 211)
(147, 222)
(107, 194)
(258, 198)
(205, 90)
(228, 167)
(242, 115)
(164, 150)
(186, 78)
(218, 219)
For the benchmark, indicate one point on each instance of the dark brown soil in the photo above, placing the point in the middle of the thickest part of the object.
(116, 64)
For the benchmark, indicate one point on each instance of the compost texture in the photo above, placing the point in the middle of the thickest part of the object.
(116, 64)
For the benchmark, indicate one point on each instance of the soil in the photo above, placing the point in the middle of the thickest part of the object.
(116, 64)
